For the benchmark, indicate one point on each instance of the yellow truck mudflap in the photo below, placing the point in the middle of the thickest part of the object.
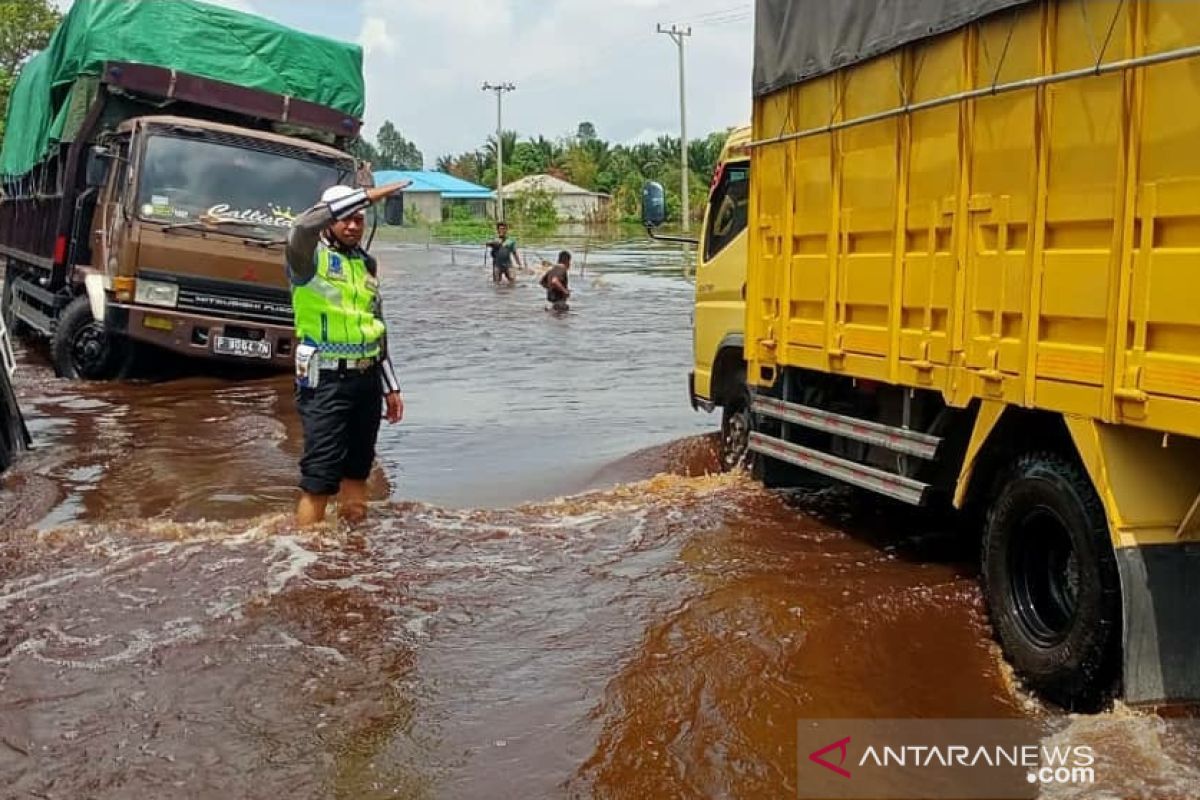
(1150, 486)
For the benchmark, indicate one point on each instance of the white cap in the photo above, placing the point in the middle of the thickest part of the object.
(334, 193)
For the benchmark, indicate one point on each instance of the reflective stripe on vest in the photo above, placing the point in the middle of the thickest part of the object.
(335, 310)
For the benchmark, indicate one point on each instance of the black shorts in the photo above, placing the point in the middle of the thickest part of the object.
(341, 423)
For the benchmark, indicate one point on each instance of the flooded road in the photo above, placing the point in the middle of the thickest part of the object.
(504, 401)
(552, 599)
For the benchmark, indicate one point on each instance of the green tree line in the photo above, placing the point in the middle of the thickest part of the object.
(390, 150)
(588, 161)
(584, 159)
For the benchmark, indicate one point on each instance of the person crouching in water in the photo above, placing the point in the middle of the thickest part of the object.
(343, 374)
(555, 281)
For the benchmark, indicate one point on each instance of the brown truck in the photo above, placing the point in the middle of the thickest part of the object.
(167, 230)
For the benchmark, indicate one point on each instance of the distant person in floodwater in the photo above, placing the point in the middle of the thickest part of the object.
(504, 253)
(556, 281)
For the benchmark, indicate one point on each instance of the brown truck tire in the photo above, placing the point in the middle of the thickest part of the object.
(81, 347)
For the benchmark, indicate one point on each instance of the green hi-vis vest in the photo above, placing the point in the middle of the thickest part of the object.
(336, 309)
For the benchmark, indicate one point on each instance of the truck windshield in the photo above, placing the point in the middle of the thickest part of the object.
(210, 183)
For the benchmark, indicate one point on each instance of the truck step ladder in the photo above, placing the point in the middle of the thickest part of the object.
(14, 436)
(899, 440)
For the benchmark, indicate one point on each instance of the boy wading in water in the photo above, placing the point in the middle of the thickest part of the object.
(556, 281)
(504, 253)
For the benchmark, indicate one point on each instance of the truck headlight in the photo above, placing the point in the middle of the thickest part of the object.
(157, 293)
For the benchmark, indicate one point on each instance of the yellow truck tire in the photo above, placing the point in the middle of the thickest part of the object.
(1051, 582)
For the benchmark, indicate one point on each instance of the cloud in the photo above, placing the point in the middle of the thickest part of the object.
(375, 39)
(570, 61)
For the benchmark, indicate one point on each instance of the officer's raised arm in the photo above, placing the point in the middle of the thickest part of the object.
(306, 230)
(302, 242)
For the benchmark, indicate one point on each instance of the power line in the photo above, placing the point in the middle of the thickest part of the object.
(729, 20)
(720, 13)
(678, 34)
(499, 89)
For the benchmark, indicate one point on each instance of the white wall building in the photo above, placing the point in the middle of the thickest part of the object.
(570, 201)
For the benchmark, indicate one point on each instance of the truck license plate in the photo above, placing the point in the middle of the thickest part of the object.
(245, 348)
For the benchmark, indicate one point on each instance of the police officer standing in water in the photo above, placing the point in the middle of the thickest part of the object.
(343, 375)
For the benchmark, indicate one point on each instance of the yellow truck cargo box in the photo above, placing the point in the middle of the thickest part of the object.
(974, 278)
(1031, 234)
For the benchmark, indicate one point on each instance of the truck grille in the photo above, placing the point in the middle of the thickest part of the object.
(229, 299)
(236, 306)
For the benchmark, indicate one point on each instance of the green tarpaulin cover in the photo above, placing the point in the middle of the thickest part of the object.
(187, 35)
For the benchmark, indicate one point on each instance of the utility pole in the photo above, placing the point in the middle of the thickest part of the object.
(677, 34)
(499, 89)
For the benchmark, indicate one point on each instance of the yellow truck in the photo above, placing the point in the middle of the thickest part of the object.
(973, 280)
(718, 378)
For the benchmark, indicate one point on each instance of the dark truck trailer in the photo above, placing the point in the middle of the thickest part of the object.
(148, 204)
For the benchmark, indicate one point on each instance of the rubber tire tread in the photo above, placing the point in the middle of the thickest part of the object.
(743, 400)
(79, 312)
(1082, 673)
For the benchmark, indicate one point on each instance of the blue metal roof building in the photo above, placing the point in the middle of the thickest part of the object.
(450, 187)
(432, 194)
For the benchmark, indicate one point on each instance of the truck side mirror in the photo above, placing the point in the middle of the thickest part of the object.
(393, 209)
(98, 162)
(365, 178)
(654, 205)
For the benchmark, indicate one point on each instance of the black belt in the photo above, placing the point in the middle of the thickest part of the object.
(344, 365)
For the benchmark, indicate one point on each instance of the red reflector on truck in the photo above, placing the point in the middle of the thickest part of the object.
(716, 178)
(60, 250)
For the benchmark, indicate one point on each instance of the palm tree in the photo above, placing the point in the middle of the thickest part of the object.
(549, 153)
(509, 140)
(647, 158)
(668, 148)
(703, 154)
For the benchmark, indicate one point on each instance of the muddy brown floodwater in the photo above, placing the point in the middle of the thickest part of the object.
(552, 599)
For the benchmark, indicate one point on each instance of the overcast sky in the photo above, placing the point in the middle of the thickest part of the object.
(571, 60)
